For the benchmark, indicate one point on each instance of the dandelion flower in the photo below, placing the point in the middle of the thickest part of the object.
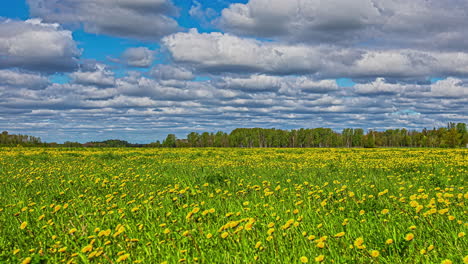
(409, 237)
(123, 257)
(87, 248)
(319, 258)
(24, 225)
(340, 234)
(304, 259)
(375, 253)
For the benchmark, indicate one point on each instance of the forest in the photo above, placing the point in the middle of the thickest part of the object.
(451, 136)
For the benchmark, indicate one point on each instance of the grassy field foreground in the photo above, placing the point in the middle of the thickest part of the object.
(233, 205)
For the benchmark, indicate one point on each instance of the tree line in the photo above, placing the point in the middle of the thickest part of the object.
(454, 135)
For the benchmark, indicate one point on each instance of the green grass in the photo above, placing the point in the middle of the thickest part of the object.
(150, 190)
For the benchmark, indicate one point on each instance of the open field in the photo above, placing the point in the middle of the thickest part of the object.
(233, 205)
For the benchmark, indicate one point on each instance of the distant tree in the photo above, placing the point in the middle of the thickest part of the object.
(170, 141)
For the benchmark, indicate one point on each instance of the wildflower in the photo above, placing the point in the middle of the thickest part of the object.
(87, 248)
(224, 234)
(319, 258)
(340, 234)
(358, 242)
(123, 257)
(446, 261)
(23, 225)
(461, 234)
(375, 253)
(389, 241)
(26, 260)
(409, 237)
(304, 259)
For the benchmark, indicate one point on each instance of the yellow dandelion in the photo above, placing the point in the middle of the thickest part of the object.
(385, 211)
(87, 248)
(461, 234)
(73, 230)
(62, 249)
(340, 234)
(446, 261)
(258, 244)
(375, 253)
(409, 237)
(224, 234)
(26, 260)
(319, 258)
(23, 225)
(389, 241)
(465, 259)
(304, 259)
(123, 257)
(359, 241)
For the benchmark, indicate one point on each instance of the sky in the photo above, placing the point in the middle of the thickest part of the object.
(137, 70)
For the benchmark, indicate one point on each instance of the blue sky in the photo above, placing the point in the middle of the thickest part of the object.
(85, 70)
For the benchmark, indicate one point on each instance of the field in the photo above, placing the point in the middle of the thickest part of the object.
(233, 205)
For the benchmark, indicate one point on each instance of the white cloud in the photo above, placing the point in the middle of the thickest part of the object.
(17, 79)
(417, 23)
(170, 72)
(138, 57)
(99, 76)
(286, 85)
(300, 19)
(218, 52)
(34, 45)
(450, 87)
(141, 19)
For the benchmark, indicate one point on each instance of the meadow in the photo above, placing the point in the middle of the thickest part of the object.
(233, 205)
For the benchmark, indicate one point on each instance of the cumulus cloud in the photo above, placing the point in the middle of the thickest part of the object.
(98, 76)
(170, 72)
(138, 57)
(141, 19)
(18, 79)
(422, 23)
(218, 52)
(287, 85)
(37, 46)
(298, 19)
(450, 87)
